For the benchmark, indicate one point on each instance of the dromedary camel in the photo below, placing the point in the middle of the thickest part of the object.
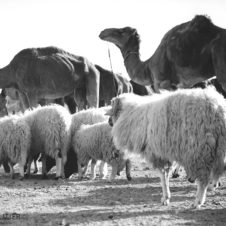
(50, 73)
(188, 53)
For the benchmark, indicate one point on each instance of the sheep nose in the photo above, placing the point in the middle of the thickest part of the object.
(110, 121)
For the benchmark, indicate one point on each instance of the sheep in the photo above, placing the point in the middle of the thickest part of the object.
(50, 135)
(15, 138)
(95, 142)
(92, 116)
(187, 126)
(204, 84)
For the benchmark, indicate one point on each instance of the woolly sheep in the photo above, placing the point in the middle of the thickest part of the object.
(186, 126)
(95, 142)
(50, 135)
(15, 140)
(91, 116)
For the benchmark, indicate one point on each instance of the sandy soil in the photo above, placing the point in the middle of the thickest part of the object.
(100, 202)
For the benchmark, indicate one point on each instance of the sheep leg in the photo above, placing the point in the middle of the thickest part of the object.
(103, 168)
(58, 167)
(22, 164)
(164, 177)
(28, 170)
(93, 169)
(44, 172)
(35, 167)
(63, 162)
(175, 173)
(128, 169)
(80, 172)
(21, 170)
(11, 170)
(201, 194)
(114, 171)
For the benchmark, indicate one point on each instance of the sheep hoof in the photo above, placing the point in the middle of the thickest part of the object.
(35, 171)
(191, 180)
(21, 178)
(44, 177)
(129, 178)
(196, 206)
(175, 175)
(26, 176)
(165, 202)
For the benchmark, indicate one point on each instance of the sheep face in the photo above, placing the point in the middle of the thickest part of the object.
(115, 110)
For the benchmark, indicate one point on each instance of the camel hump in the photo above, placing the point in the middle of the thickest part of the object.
(189, 42)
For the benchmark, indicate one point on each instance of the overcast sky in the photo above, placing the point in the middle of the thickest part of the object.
(74, 25)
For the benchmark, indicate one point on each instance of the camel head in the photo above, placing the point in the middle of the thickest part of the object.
(126, 39)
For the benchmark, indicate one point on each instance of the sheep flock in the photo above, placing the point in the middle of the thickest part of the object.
(185, 127)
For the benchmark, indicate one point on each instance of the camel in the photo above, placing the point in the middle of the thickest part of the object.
(188, 54)
(111, 85)
(50, 73)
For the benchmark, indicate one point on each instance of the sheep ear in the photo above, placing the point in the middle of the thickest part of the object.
(109, 112)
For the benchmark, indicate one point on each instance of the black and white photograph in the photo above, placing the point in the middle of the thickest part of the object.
(113, 112)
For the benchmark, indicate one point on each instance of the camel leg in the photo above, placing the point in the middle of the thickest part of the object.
(164, 177)
(92, 88)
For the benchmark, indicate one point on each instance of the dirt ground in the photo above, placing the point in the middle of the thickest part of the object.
(71, 202)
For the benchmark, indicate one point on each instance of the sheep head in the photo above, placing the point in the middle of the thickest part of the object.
(114, 111)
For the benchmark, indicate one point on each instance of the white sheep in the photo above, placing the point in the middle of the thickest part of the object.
(89, 117)
(95, 142)
(186, 126)
(50, 135)
(15, 138)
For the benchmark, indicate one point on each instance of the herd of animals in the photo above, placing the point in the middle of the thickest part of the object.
(173, 110)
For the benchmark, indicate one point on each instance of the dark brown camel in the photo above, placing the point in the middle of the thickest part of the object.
(188, 53)
(141, 90)
(50, 73)
(111, 85)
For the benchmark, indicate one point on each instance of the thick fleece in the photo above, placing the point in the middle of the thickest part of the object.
(186, 126)
(15, 138)
(51, 135)
(95, 142)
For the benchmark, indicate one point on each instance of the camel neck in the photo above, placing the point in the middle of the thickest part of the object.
(6, 77)
(137, 70)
